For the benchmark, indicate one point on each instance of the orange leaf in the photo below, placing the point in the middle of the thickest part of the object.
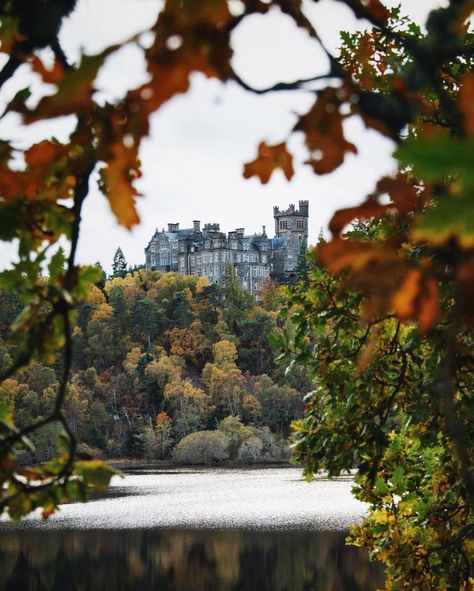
(418, 299)
(44, 177)
(372, 269)
(118, 176)
(269, 159)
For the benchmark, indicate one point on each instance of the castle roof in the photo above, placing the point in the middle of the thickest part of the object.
(278, 242)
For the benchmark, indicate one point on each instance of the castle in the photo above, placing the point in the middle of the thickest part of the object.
(207, 252)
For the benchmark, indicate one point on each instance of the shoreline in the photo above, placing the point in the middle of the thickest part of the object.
(126, 463)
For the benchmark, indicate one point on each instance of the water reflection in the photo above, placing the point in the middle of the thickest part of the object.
(183, 560)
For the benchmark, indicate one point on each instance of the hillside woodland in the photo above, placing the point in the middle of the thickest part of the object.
(163, 362)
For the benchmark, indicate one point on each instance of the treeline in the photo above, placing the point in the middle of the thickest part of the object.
(164, 365)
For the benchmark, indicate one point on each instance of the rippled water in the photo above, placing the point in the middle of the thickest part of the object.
(195, 530)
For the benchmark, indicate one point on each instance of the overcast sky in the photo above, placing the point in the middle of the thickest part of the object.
(192, 161)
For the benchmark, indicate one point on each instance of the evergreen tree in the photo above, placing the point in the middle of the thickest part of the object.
(103, 276)
(302, 263)
(236, 300)
(119, 265)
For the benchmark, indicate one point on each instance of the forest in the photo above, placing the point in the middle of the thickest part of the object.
(158, 357)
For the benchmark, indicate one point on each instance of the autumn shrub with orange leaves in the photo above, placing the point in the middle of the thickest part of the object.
(386, 327)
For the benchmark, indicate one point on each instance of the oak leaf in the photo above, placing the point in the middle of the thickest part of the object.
(324, 135)
(45, 176)
(268, 160)
(74, 90)
(121, 169)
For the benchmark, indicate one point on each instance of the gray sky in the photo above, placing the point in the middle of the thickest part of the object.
(192, 161)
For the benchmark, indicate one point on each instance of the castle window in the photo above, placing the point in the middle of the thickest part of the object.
(283, 225)
(299, 224)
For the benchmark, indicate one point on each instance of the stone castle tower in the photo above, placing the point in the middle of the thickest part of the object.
(292, 222)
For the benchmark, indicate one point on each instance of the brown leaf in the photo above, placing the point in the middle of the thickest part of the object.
(269, 159)
(189, 37)
(377, 9)
(466, 102)
(404, 195)
(324, 135)
(53, 76)
(365, 211)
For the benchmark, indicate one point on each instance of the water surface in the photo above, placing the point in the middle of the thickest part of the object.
(195, 530)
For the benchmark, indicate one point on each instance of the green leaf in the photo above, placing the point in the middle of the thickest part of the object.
(449, 218)
(56, 265)
(397, 476)
(381, 487)
(95, 473)
(63, 443)
(435, 158)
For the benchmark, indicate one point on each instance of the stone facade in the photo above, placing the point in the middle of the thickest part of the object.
(207, 252)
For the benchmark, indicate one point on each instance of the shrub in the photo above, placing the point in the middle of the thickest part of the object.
(151, 444)
(202, 447)
(275, 447)
(250, 450)
(236, 432)
(88, 450)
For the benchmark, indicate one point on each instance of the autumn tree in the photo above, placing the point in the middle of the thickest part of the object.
(224, 380)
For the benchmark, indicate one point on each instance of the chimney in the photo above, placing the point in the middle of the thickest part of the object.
(196, 226)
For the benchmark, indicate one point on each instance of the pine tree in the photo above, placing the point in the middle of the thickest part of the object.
(103, 275)
(302, 263)
(119, 265)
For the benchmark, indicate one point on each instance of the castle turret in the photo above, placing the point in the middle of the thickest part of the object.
(292, 222)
